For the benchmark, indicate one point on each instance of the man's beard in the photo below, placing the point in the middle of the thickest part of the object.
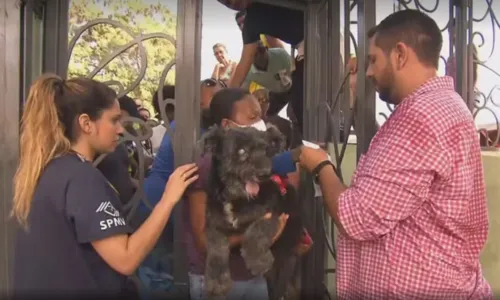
(385, 85)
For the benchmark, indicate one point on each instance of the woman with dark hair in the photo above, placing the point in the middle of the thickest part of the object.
(74, 239)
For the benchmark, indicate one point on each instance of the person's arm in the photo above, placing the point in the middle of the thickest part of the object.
(251, 38)
(274, 42)
(215, 73)
(124, 252)
(197, 211)
(95, 210)
(244, 65)
(389, 185)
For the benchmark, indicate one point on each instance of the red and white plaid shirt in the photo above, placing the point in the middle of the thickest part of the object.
(416, 214)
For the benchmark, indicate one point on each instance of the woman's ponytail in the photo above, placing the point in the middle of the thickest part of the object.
(41, 139)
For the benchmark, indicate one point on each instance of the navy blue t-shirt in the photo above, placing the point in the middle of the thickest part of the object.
(72, 206)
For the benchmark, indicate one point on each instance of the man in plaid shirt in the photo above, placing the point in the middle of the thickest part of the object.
(414, 220)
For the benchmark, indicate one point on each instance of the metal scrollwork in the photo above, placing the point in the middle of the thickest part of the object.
(485, 101)
(485, 106)
(142, 131)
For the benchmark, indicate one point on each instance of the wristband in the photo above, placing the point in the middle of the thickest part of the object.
(320, 166)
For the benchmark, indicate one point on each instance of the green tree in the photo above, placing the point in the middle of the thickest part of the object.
(100, 41)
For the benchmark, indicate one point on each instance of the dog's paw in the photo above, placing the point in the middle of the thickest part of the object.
(260, 265)
(218, 287)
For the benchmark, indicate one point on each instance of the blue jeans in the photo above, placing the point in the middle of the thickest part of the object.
(255, 288)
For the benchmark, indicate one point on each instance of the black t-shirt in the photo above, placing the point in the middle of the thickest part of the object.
(115, 167)
(72, 206)
(279, 22)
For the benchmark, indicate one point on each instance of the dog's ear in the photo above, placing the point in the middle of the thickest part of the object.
(211, 141)
(275, 139)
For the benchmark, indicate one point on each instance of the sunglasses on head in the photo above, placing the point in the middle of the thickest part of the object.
(211, 82)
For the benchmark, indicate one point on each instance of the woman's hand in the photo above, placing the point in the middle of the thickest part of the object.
(282, 223)
(182, 177)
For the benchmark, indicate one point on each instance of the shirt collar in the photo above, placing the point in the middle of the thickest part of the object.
(433, 84)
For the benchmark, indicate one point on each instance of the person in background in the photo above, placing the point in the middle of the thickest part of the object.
(144, 113)
(138, 103)
(415, 218)
(283, 24)
(240, 19)
(224, 68)
(163, 163)
(155, 272)
(268, 41)
(115, 166)
(73, 238)
(228, 108)
(159, 131)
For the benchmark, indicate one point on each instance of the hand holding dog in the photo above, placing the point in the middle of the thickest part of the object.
(282, 223)
(180, 179)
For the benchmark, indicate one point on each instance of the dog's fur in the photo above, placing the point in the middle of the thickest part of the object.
(240, 155)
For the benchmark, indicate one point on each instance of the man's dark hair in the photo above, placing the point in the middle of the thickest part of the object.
(414, 28)
(128, 104)
(168, 93)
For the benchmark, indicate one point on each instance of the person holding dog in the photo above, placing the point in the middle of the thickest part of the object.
(228, 108)
(414, 220)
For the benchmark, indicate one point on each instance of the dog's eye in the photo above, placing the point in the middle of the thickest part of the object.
(243, 155)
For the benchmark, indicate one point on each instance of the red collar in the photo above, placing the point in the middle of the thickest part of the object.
(282, 183)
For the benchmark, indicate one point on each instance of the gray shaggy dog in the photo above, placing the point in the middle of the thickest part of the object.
(241, 190)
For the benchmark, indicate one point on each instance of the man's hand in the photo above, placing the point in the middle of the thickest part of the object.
(310, 158)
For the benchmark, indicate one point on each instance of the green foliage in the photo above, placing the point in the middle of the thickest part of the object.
(101, 41)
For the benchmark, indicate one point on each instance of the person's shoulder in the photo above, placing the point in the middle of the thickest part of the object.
(69, 163)
(279, 51)
(68, 168)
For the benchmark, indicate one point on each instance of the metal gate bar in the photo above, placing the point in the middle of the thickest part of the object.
(365, 91)
(187, 114)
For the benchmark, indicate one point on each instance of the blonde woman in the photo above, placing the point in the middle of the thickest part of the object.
(224, 68)
(73, 239)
